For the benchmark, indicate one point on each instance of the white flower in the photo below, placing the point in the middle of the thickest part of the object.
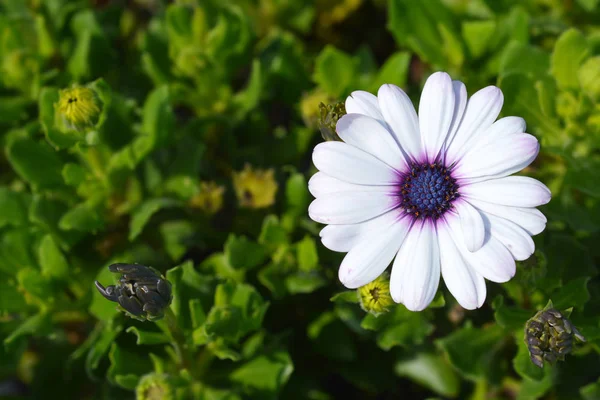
(431, 190)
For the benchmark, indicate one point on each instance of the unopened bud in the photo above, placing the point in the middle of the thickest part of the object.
(375, 296)
(549, 336)
(78, 108)
(142, 292)
(330, 114)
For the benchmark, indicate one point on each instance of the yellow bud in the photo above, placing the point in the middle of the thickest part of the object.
(255, 188)
(309, 107)
(155, 387)
(375, 296)
(209, 199)
(78, 108)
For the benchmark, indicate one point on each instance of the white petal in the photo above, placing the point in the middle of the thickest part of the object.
(416, 271)
(511, 235)
(365, 103)
(503, 127)
(530, 219)
(501, 157)
(482, 110)
(460, 104)
(321, 184)
(516, 191)
(350, 207)
(493, 261)
(436, 111)
(466, 285)
(369, 135)
(471, 224)
(349, 164)
(371, 256)
(342, 238)
(400, 115)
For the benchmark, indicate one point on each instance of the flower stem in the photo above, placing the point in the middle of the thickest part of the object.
(178, 338)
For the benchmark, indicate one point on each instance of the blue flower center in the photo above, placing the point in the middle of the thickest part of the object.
(428, 190)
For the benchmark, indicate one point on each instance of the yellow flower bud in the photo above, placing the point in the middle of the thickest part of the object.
(309, 107)
(154, 387)
(375, 296)
(209, 199)
(78, 108)
(255, 188)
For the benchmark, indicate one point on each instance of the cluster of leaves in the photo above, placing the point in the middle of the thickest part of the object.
(192, 91)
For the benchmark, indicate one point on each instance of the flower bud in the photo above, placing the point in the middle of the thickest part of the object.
(549, 336)
(142, 292)
(375, 296)
(209, 199)
(255, 188)
(78, 108)
(155, 387)
(330, 114)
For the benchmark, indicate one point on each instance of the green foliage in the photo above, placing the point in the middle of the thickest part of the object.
(189, 92)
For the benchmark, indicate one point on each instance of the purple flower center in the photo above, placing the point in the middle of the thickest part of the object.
(428, 190)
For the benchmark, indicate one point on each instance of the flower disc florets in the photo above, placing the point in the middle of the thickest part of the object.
(142, 292)
(428, 190)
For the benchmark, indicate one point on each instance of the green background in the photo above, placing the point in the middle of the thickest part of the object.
(194, 90)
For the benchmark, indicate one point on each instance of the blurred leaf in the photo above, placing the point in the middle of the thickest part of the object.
(349, 296)
(242, 253)
(332, 338)
(52, 260)
(572, 294)
(478, 35)
(303, 282)
(591, 391)
(266, 373)
(146, 337)
(12, 208)
(126, 367)
(511, 318)
(38, 324)
(472, 351)
(569, 52)
(432, 372)
(334, 71)
(308, 259)
(82, 217)
(398, 327)
(35, 162)
(141, 216)
(394, 71)
(589, 77)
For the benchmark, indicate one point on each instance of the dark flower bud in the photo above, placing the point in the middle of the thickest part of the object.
(549, 336)
(328, 118)
(142, 292)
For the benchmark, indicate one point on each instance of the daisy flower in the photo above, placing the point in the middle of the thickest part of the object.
(433, 190)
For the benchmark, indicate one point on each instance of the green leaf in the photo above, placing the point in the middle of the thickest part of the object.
(36, 163)
(304, 282)
(15, 250)
(13, 209)
(432, 372)
(34, 284)
(569, 52)
(73, 174)
(242, 253)
(126, 367)
(511, 318)
(146, 337)
(141, 216)
(589, 77)
(398, 327)
(52, 260)
(83, 217)
(393, 71)
(473, 351)
(349, 296)
(296, 193)
(38, 325)
(272, 233)
(177, 236)
(332, 338)
(306, 251)
(478, 36)
(238, 310)
(573, 294)
(334, 71)
(265, 373)
(591, 391)
(11, 300)
(588, 5)
(157, 116)
(101, 308)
